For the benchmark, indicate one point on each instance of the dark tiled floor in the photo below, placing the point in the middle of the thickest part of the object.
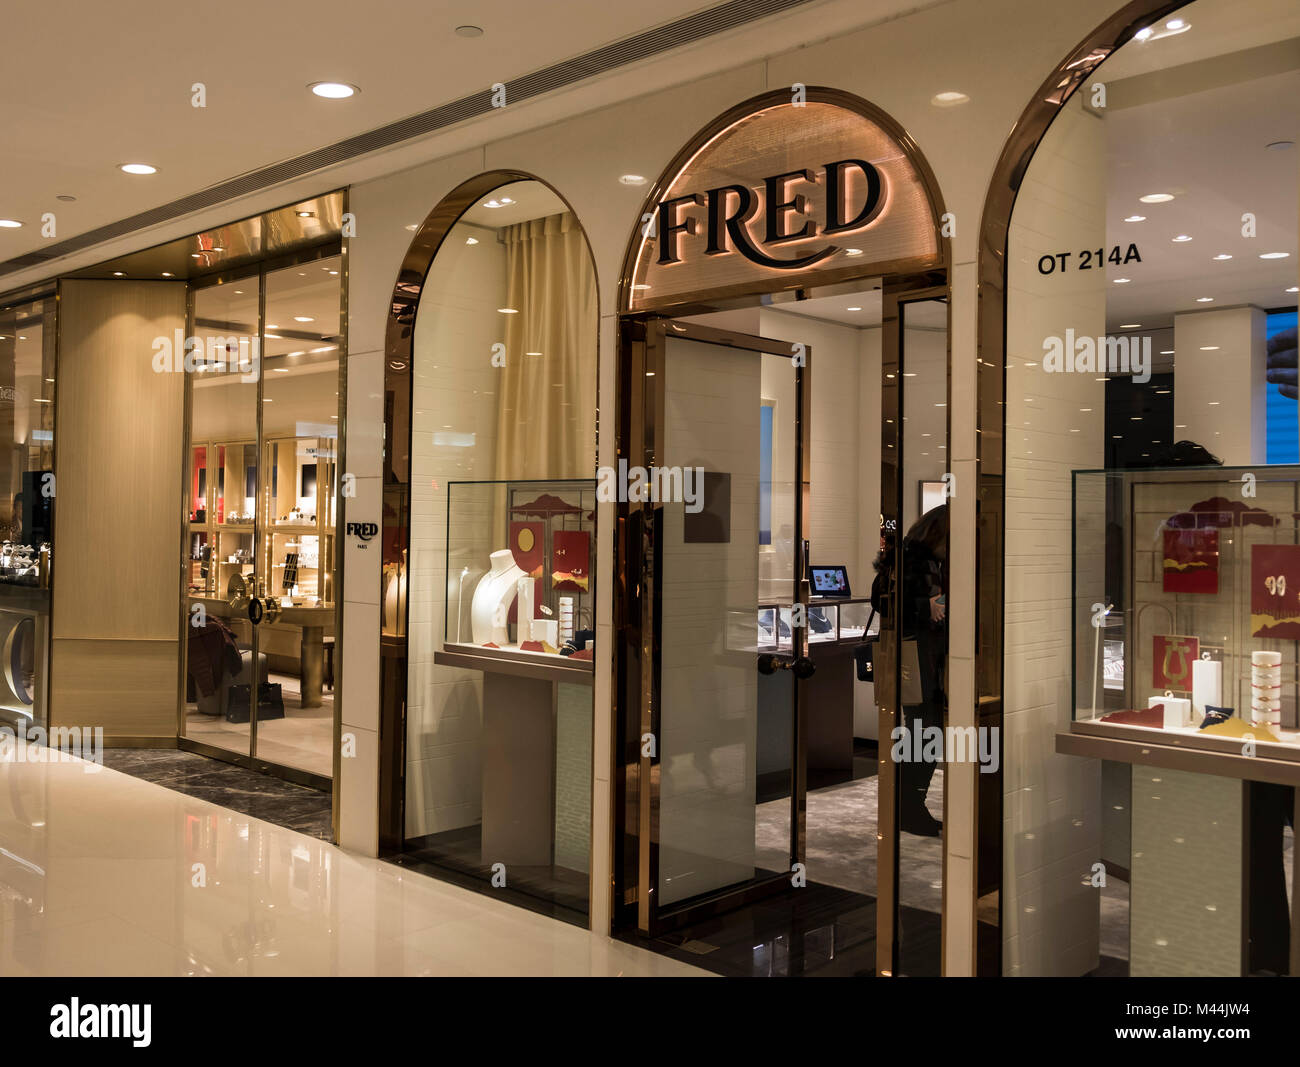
(295, 807)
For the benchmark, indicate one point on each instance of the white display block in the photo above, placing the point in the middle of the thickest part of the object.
(1178, 711)
(1207, 684)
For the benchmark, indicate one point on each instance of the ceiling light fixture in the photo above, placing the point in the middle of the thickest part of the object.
(119, 274)
(471, 240)
(508, 311)
(1294, 289)
(854, 308)
(1222, 256)
(632, 179)
(137, 168)
(1209, 348)
(1205, 299)
(1182, 238)
(469, 31)
(1144, 33)
(305, 214)
(333, 90)
(1136, 218)
(1274, 255)
(497, 202)
(168, 274)
(10, 224)
(1130, 325)
(303, 318)
(949, 98)
(1156, 198)
(1122, 281)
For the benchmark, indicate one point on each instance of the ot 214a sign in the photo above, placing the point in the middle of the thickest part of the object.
(786, 195)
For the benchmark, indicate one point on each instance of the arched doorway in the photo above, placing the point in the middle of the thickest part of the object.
(799, 230)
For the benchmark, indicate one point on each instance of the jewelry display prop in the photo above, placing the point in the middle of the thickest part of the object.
(1207, 683)
(566, 619)
(1266, 688)
(1178, 710)
(524, 599)
(493, 596)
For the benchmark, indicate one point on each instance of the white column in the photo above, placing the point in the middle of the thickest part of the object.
(1219, 386)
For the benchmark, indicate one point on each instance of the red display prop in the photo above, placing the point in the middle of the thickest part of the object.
(1275, 592)
(1171, 662)
(1191, 561)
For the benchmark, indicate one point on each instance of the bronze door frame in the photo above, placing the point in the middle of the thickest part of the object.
(637, 622)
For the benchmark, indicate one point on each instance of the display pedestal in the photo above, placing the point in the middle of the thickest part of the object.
(828, 704)
(518, 770)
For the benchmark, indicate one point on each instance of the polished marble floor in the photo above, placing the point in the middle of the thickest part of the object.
(105, 874)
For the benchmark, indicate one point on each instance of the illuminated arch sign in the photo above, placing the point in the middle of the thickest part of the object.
(784, 196)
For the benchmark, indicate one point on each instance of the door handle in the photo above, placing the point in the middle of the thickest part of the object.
(801, 666)
(263, 609)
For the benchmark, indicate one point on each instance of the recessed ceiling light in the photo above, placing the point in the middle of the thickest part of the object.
(305, 214)
(949, 98)
(331, 272)
(1166, 351)
(137, 168)
(280, 370)
(1122, 281)
(1144, 33)
(303, 318)
(1222, 256)
(1130, 326)
(413, 227)
(1156, 198)
(854, 308)
(1182, 238)
(471, 240)
(508, 311)
(853, 251)
(469, 31)
(1294, 289)
(532, 353)
(266, 400)
(1136, 218)
(10, 224)
(119, 274)
(498, 201)
(333, 90)
(1214, 403)
(239, 292)
(1209, 348)
(1205, 299)
(67, 198)
(169, 274)
(1279, 146)
(1176, 24)
(632, 179)
(1274, 255)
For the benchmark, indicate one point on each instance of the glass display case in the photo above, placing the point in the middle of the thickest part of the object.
(830, 622)
(1186, 606)
(520, 569)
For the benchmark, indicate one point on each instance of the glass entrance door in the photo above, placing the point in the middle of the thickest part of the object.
(911, 664)
(714, 494)
(223, 665)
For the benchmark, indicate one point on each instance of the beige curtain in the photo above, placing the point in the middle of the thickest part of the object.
(547, 414)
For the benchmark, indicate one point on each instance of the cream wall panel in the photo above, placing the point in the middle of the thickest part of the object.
(118, 513)
(127, 687)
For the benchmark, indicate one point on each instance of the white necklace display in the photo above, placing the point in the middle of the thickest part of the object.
(492, 598)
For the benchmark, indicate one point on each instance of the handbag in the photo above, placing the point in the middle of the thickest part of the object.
(909, 688)
(863, 653)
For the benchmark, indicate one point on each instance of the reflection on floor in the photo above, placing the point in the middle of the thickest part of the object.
(457, 855)
(295, 807)
(841, 827)
(303, 738)
(98, 878)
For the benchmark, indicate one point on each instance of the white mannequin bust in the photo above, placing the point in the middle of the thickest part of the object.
(493, 596)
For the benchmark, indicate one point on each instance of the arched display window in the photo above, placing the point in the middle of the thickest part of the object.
(1144, 375)
(489, 544)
